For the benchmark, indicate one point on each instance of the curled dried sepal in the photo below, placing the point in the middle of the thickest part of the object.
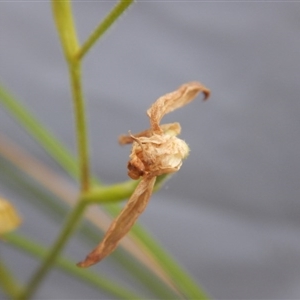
(122, 224)
(9, 218)
(171, 101)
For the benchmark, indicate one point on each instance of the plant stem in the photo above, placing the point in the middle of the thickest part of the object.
(117, 192)
(80, 121)
(116, 12)
(110, 194)
(63, 17)
(50, 258)
(101, 282)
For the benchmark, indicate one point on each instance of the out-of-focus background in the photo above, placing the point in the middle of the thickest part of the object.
(231, 216)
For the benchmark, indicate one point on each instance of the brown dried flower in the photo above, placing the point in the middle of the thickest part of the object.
(155, 151)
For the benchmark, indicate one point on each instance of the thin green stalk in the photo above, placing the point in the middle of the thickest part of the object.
(80, 121)
(63, 17)
(117, 192)
(116, 12)
(101, 282)
(110, 194)
(8, 282)
(48, 261)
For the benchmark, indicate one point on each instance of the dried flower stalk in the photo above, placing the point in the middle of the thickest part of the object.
(155, 151)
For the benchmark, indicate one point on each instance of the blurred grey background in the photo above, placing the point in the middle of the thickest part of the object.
(231, 216)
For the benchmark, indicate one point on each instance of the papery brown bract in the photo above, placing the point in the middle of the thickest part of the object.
(122, 224)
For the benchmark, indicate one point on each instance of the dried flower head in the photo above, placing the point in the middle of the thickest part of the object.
(155, 151)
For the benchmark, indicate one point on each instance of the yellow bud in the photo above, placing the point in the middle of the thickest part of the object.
(9, 218)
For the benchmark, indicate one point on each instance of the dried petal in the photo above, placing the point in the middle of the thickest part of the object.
(171, 101)
(122, 224)
(9, 218)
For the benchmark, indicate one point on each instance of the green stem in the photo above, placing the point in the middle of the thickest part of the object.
(80, 121)
(101, 282)
(63, 17)
(110, 194)
(117, 192)
(55, 250)
(116, 12)
(8, 282)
